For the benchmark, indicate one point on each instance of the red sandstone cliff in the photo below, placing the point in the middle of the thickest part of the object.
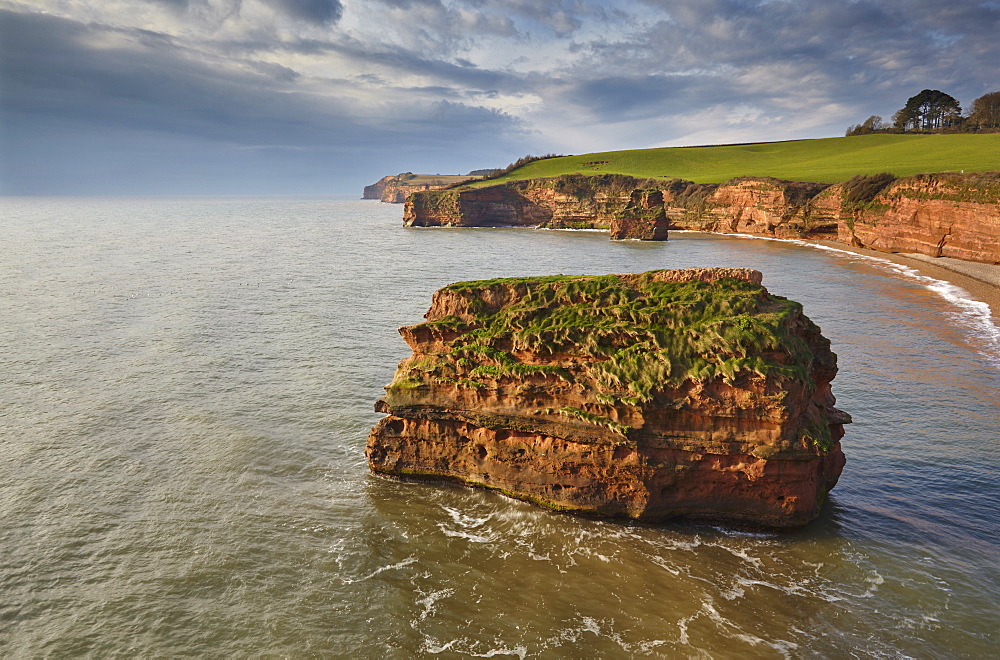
(944, 215)
(939, 215)
(691, 393)
(374, 191)
(571, 202)
(751, 206)
(397, 189)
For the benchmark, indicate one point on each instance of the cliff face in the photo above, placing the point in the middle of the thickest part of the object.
(496, 206)
(689, 393)
(939, 215)
(397, 189)
(396, 192)
(631, 208)
(751, 206)
(568, 202)
(643, 218)
(374, 191)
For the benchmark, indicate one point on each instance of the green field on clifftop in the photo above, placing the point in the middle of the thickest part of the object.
(431, 179)
(826, 160)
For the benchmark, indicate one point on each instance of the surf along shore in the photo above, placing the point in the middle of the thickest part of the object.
(930, 203)
(981, 281)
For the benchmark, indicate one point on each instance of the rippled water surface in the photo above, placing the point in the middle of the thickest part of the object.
(187, 386)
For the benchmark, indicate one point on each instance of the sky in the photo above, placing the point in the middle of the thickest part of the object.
(321, 97)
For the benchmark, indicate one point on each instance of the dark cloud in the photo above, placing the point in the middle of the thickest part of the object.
(397, 84)
(561, 17)
(406, 4)
(176, 4)
(322, 12)
(621, 98)
(319, 12)
(774, 55)
(70, 112)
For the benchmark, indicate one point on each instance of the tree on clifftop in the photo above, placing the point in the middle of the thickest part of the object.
(873, 124)
(986, 111)
(928, 110)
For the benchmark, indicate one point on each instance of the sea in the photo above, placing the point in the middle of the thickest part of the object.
(187, 385)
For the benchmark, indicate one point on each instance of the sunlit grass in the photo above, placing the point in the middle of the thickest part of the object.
(631, 336)
(827, 160)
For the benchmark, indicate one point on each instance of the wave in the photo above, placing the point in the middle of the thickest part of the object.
(974, 315)
(382, 569)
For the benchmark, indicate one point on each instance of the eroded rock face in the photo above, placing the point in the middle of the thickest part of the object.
(495, 206)
(764, 206)
(618, 203)
(688, 393)
(374, 191)
(396, 189)
(943, 215)
(949, 215)
(643, 218)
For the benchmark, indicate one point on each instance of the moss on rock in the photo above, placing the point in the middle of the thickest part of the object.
(627, 335)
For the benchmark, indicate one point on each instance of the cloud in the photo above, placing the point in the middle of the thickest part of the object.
(817, 65)
(319, 12)
(470, 80)
(100, 88)
(322, 12)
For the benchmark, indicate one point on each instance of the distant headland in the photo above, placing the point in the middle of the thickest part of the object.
(396, 189)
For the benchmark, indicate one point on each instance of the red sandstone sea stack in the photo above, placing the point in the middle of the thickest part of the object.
(691, 394)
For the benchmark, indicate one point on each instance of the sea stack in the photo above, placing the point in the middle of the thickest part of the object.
(691, 394)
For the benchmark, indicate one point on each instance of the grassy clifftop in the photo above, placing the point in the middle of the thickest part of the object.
(626, 336)
(827, 160)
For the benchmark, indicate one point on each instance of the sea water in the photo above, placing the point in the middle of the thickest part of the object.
(187, 386)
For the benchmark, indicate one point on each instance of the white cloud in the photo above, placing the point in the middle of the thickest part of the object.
(516, 75)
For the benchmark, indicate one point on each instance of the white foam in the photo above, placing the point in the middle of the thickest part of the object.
(463, 647)
(875, 581)
(461, 534)
(429, 602)
(665, 565)
(730, 629)
(382, 569)
(591, 625)
(732, 594)
(974, 315)
(519, 651)
(794, 590)
(744, 533)
(741, 553)
(435, 647)
(466, 520)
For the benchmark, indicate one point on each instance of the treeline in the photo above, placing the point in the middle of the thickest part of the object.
(933, 111)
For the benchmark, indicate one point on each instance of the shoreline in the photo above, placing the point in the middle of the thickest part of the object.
(981, 281)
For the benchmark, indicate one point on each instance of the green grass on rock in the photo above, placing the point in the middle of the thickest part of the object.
(624, 338)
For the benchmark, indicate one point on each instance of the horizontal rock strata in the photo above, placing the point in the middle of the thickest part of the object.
(397, 189)
(944, 215)
(615, 202)
(951, 215)
(688, 393)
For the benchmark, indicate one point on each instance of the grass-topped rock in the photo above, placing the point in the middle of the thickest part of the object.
(692, 393)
